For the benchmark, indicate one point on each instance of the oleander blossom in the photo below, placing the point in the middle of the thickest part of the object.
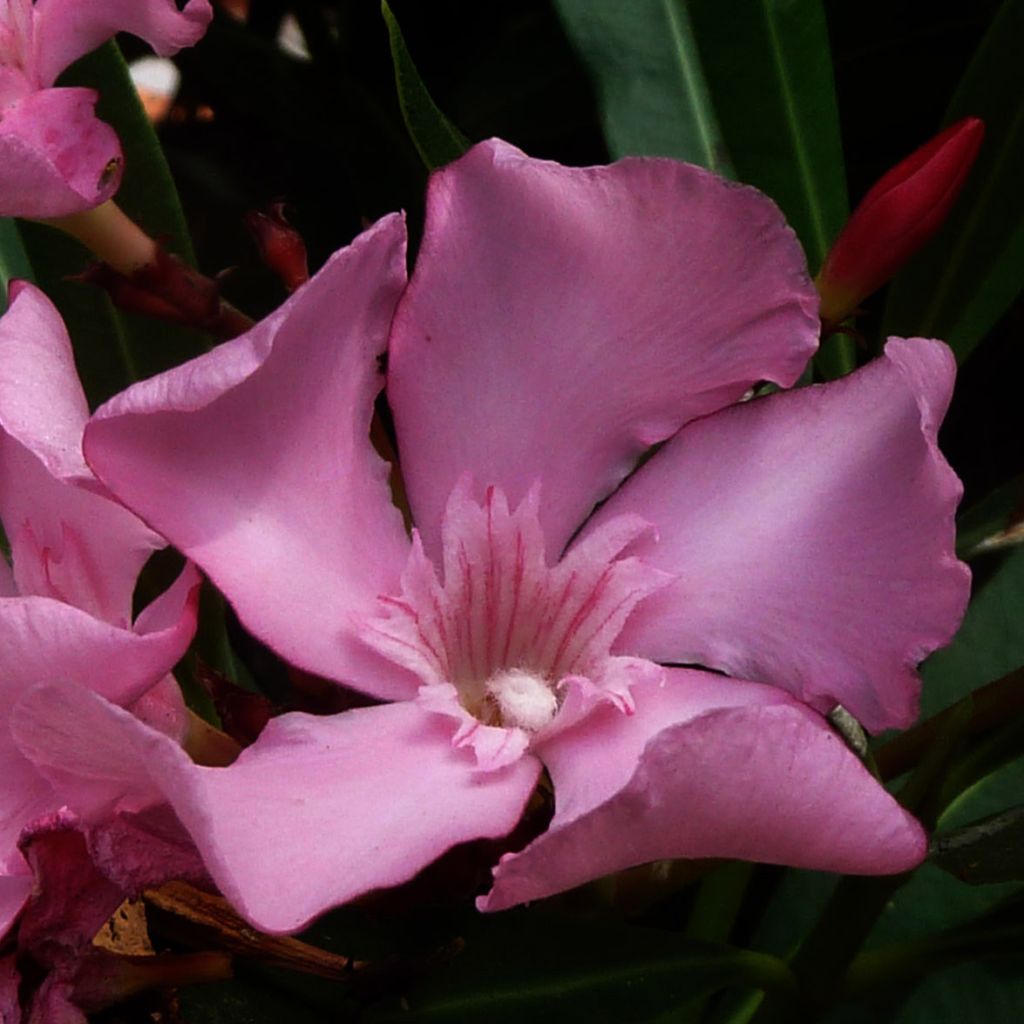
(662, 641)
(56, 156)
(66, 617)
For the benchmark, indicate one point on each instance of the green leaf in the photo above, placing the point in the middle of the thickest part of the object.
(524, 965)
(246, 1000)
(13, 258)
(990, 850)
(996, 933)
(650, 85)
(966, 277)
(438, 141)
(992, 524)
(990, 642)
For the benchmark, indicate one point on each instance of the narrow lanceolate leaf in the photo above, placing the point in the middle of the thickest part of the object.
(966, 277)
(438, 141)
(13, 258)
(651, 89)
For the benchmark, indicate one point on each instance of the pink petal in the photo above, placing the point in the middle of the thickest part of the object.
(67, 543)
(68, 29)
(15, 887)
(42, 403)
(255, 461)
(561, 320)
(320, 809)
(71, 901)
(812, 534)
(24, 797)
(707, 767)
(138, 851)
(42, 639)
(56, 157)
(163, 708)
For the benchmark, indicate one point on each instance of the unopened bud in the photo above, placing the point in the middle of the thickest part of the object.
(281, 246)
(904, 208)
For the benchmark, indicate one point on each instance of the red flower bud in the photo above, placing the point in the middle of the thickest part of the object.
(904, 208)
(280, 245)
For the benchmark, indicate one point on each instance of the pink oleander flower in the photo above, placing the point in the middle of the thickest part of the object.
(662, 641)
(66, 605)
(56, 157)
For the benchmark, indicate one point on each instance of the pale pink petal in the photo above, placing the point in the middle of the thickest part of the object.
(320, 809)
(56, 156)
(42, 403)
(562, 320)
(255, 461)
(68, 29)
(42, 639)
(163, 708)
(812, 535)
(707, 767)
(139, 850)
(67, 542)
(25, 796)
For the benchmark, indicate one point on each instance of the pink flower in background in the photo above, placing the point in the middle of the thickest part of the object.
(554, 603)
(56, 158)
(66, 604)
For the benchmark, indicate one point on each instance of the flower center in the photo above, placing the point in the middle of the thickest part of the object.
(499, 624)
(523, 699)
